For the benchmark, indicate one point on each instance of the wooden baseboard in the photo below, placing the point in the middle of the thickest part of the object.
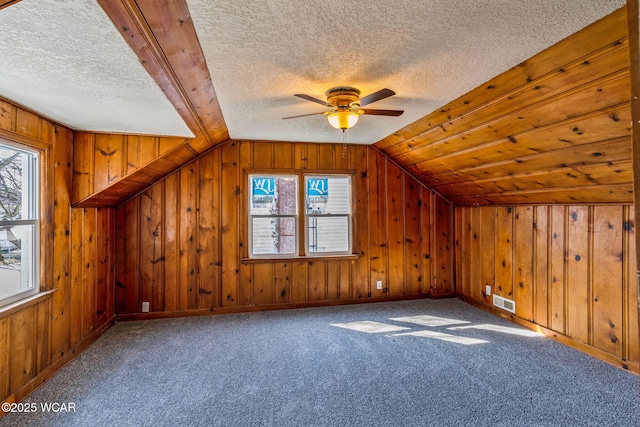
(50, 370)
(268, 307)
(578, 345)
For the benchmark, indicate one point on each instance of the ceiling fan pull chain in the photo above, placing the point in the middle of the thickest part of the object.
(344, 143)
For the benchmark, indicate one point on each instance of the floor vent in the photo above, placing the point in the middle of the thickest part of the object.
(505, 304)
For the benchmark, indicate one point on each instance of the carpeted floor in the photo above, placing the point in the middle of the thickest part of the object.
(411, 363)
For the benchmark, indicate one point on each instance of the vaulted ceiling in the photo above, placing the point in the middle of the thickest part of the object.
(491, 117)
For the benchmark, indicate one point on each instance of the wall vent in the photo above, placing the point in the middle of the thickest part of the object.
(503, 303)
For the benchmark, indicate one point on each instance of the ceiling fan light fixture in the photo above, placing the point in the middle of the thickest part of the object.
(343, 119)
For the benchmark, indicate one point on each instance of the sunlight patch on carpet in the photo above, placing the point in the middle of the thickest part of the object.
(432, 321)
(502, 329)
(369, 327)
(443, 337)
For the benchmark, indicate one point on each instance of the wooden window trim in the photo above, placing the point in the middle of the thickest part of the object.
(26, 302)
(351, 257)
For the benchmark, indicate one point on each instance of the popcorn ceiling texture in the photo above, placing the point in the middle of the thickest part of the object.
(66, 60)
(261, 52)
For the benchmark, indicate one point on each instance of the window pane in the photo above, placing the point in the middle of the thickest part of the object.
(16, 259)
(273, 236)
(272, 195)
(15, 178)
(328, 195)
(328, 234)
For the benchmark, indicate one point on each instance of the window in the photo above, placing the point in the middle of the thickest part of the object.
(19, 223)
(279, 228)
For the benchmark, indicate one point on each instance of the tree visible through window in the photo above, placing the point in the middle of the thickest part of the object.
(18, 223)
(275, 226)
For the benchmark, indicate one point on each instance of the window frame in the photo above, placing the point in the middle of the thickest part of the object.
(301, 217)
(35, 194)
(250, 217)
(349, 216)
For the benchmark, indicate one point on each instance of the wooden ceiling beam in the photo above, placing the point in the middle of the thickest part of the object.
(7, 3)
(162, 35)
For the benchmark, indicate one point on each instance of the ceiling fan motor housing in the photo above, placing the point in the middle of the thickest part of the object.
(344, 97)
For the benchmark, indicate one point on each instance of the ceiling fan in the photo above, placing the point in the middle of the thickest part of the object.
(347, 106)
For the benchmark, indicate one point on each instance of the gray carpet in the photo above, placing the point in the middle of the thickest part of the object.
(293, 368)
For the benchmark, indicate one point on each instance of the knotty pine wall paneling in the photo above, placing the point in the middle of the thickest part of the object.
(181, 244)
(573, 270)
(109, 168)
(553, 129)
(39, 336)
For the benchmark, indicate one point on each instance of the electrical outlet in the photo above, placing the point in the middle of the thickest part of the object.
(379, 284)
(145, 306)
(488, 290)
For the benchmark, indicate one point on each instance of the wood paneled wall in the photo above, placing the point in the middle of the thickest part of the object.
(569, 269)
(181, 243)
(109, 168)
(553, 129)
(40, 336)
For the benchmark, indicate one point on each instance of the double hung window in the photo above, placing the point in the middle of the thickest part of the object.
(19, 223)
(299, 214)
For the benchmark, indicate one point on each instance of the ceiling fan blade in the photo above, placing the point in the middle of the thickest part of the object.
(303, 115)
(373, 112)
(376, 96)
(312, 99)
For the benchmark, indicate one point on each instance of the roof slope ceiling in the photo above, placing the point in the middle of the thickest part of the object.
(433, 54)
(554, 129)
(429, 52)
(67, 61)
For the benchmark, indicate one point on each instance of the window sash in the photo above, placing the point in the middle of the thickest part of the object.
(28, 272)
(312, 240)
(254, 250)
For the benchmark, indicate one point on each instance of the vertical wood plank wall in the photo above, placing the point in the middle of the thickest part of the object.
(180, 243)
(102, 160)
(569, 269)
(77, 262)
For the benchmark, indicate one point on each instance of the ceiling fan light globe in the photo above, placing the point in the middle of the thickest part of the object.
(343, 119)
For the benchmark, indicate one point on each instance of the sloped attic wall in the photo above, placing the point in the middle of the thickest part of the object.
(554, 129)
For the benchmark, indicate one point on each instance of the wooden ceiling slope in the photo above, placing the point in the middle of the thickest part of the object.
(7, 3)
(554, 129)
(162, 35)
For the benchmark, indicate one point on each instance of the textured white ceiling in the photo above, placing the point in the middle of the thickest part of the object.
(66, 60)
(261, 52)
